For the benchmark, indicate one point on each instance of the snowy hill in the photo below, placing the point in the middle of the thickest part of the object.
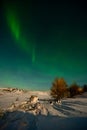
(18, 112)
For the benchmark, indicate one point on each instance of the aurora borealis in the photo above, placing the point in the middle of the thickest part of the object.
(15, 29)
(41, 40)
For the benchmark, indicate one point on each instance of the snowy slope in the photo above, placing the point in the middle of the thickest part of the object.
(71, 114)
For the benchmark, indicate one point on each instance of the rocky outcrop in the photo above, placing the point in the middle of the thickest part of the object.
(1, 113)
(32, 106)
(34, 99)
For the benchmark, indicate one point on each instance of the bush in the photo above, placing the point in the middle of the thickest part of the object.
(74, 90)
(59, 88)
(85, 88)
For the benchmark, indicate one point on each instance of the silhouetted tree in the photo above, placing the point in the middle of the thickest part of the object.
(74, 90)
(59, 88)
(85, 88)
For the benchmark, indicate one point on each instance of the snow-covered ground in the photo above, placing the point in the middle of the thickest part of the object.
(20, 114)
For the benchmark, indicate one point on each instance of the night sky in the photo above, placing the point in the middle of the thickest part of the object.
(41, 40)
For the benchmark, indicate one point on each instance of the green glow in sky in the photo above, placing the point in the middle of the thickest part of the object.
(40, 41)
(16, 30)
(13, 23)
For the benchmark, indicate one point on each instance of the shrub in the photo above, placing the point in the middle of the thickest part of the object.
(59, 88)
(74, 90)
(85, 88)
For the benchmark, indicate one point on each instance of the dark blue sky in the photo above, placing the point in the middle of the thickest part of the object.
(41, 40)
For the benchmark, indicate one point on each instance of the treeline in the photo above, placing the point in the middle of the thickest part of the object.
(61, 89)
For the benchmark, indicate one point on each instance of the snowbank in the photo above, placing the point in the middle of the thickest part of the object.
(18, 112)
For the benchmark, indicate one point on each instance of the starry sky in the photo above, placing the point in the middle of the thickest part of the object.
(41, 40)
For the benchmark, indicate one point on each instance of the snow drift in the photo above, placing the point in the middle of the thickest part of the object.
(18, 112)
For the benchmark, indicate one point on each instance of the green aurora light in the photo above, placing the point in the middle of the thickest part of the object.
(15, 27)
